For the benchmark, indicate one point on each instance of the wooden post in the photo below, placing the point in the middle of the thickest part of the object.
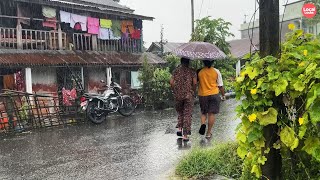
(94, 43)
(19, 37)
(60, 44)
(269, 45)
(269, 27)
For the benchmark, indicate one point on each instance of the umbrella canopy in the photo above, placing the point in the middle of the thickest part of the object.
(200, 50)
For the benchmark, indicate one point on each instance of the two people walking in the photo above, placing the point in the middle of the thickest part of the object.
(183, 83)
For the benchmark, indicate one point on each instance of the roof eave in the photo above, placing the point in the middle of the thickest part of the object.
(112, 11)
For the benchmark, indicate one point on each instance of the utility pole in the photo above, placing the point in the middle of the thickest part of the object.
(192, 15)
(161, 41)
(269, 45)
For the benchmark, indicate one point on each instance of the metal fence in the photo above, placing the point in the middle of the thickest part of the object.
(20, 111)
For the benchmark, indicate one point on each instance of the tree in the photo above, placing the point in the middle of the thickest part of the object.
(214, 31)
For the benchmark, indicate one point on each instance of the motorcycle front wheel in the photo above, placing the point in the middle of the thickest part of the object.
(128, 106)
(94, 114)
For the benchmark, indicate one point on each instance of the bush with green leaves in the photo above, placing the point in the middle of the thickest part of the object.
(284, 92)
(221, 159)
(156, 89)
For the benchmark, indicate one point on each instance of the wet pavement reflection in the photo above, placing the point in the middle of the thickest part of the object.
(144, 146)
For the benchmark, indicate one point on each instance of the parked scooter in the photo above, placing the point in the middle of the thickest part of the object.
(98, 106)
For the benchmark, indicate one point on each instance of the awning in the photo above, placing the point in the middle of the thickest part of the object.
(24, 58)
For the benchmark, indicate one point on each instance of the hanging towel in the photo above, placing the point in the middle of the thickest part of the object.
(19, 81)
(65, 17)
(113, 36)
(49, 12)
(79, 19)
(93, 25)
(136, 34)
(105, 23)
(137, 23)
(130, 26)
(116, 28)
(8, 82)
(127, 25)
(50, 22)
(104, 34)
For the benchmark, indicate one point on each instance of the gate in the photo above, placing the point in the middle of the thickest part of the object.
(20, 111)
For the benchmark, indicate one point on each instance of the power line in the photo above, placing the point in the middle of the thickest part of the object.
(200, 9)
(253, 18)
(209, 6)
(280, 34)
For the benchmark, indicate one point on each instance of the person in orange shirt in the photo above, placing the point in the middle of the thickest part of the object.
(210, 84)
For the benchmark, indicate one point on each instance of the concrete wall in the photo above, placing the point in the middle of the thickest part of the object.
(245, 35)
(44, 80)
(293, 11)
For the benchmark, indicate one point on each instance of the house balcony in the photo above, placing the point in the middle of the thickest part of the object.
(29, 39)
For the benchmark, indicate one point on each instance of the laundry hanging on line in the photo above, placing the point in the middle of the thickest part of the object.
(50, 15)
(49, 12)
(93, 25)
(65, 17)
(82, 20)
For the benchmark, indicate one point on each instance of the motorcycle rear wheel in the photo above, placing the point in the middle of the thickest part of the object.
(128, 107)
(96, 116)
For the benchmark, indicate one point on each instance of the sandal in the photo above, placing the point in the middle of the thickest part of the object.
(209, 135)
(185, 139)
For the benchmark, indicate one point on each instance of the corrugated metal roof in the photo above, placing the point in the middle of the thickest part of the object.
(106, 7)
(167, 47)
(241, 47)
(103, 5)
(75, 58)
(106, 3)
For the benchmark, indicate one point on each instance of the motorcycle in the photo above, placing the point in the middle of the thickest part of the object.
(98, 106)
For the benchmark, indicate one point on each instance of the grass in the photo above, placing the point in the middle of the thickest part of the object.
(221, 159)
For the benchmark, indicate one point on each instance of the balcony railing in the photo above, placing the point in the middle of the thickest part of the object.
(8, 38)
(13, 38)
(18, 38)
(124, 45)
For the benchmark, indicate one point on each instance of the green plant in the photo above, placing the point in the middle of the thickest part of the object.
(214, 31)
(173, 62)
(221, 159)
(284, 92)
(156, 89)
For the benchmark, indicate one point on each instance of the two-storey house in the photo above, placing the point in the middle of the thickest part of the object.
(47, 45)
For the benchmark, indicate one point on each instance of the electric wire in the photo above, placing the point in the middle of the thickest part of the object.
(200, 9)
(252, 20)
(280, 33)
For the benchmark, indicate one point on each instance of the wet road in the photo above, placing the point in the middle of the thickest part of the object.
(143, 146)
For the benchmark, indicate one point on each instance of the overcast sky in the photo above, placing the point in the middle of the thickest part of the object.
(175, 15)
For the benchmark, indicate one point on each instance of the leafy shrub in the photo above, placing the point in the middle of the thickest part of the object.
(283, 92)
(156, 89)
(221, 159)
